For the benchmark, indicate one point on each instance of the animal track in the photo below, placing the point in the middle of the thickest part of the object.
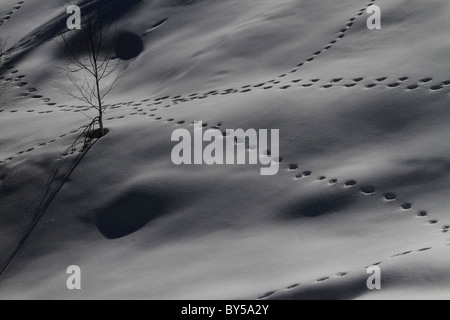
(406, 206)
(436, 88)
(293, 286)
(341, 275)
(40, 145)
(390, 196)
(322, 279)
(350, 183)
(387, 196)
(340, 36)
(157, 102)
(368, 190)
(422, 214)
(8, 16)
(267, 295)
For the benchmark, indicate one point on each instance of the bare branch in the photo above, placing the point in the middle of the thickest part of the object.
(92, 70)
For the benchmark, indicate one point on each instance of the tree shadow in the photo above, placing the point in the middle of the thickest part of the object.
(112, 10)
(64, 168)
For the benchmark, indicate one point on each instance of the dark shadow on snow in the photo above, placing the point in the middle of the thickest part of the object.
(60, 175)
(113, 10)
(320, 205)
(128, 45)
(128, 214)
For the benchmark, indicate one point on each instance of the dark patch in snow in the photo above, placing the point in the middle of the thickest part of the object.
(128, 46)
(128, 214)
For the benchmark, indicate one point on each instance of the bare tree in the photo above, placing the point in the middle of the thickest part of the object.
(93, 69)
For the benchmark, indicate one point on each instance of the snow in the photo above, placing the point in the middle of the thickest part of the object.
(226, 232)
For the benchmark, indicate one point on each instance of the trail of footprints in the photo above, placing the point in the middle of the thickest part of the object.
(339, 37)
(27, 41)
(8, 15)
(149, 107)
(365, 190)
(40, 145)
(403, 82)
(11, 76)
(337, 275)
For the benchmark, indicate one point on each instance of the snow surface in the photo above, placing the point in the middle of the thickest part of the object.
(351, 104)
